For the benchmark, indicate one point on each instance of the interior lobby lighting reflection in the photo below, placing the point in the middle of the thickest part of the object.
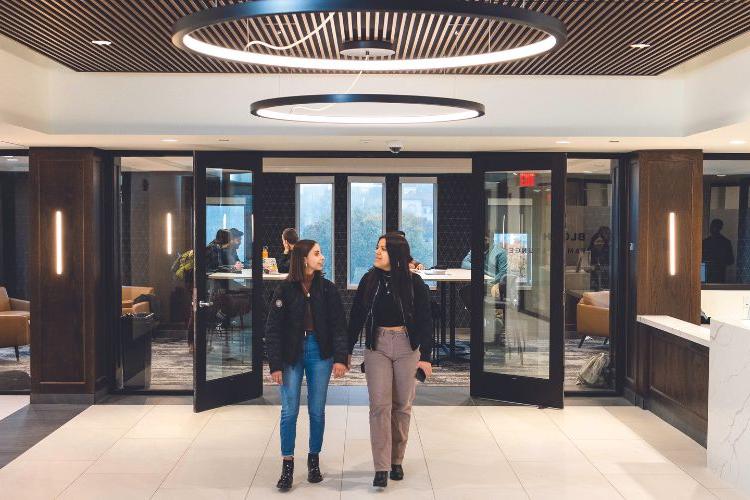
(737, 142)
(185, 29)
(169, 140)
(101, 42)
(455, 109)
(562, 142)
(640, 45)
(58, 243)
(169, 233)
(672, 244)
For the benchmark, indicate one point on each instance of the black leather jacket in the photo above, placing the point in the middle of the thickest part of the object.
(418, 327)
(285, 329)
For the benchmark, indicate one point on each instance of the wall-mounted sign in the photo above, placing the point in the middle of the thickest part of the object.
(527, 179)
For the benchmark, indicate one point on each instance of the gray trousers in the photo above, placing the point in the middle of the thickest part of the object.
(390, 371)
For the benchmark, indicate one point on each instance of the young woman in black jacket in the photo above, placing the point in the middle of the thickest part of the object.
(305, 334)
(392, 304)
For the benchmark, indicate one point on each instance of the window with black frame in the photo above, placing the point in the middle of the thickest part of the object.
(725, 255)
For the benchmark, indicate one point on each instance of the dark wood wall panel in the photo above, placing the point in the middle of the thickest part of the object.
(599, 34)
(669, 181)
(671, 380)
(68, 310)
(61, 318)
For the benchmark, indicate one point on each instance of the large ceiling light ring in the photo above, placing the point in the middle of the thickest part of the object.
(452, 109)
(184, 30)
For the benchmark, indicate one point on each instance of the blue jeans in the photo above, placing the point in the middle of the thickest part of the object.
(318, 373)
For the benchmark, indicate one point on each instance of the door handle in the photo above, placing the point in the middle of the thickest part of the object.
(205, 304)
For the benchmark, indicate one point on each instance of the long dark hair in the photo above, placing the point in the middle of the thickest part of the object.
(223, 236)
(401, 276)
(297, 260)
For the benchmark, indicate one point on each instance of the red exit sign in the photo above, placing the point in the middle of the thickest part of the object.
(527, 179)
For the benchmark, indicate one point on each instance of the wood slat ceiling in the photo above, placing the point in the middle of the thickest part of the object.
(599, 34)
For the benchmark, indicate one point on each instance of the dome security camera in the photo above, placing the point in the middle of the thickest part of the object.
(395, 147)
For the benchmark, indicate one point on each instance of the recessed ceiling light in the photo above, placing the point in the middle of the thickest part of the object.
(640, 45)
(169, 140)
(588, 172)
(721, 175)
(8, 156)
(101, 42)
(737, 142)
(562, 142)
(12, 159)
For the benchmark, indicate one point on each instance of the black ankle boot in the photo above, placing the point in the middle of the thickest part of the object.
(287, 475)
(397, 472)
(381, 479)
(313, 468)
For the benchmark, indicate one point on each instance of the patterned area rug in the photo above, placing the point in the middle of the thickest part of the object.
(14, 375)
(173, 365)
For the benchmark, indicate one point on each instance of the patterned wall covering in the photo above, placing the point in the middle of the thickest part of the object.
(277, 202)
(14, 236)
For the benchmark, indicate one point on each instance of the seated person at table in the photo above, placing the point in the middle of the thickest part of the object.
(217, 251)
(413, 263)
(495, 262)
(289, 238)
(235, 240)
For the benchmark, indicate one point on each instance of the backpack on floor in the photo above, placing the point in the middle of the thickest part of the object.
(594, 371)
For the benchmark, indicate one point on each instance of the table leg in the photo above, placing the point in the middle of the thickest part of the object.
(452, 287)
(442, 314)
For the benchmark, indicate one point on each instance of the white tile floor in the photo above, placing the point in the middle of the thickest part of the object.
(11, 404)
(455, 452)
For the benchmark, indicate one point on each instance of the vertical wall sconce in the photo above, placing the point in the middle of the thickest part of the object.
(169, 233)
(672, 244)
(58, 243)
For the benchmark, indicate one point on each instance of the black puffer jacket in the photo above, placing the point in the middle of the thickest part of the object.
(418, 326)
(285, 329)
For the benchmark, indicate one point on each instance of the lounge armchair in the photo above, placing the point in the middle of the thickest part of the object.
(15, 316)
(592, 315)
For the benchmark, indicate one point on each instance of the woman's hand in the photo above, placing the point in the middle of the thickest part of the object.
(339, 370)
(277, 377)
(238, 265)
(426, 367)
(420, 267)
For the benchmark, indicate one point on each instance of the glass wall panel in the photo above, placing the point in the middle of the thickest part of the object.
(588, 255)
(156, 268)
(15, 314)
(366, 223)
(229, 225)
(517, 251)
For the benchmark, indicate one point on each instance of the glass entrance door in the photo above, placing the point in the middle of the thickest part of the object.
(227, 298)
(517, 330)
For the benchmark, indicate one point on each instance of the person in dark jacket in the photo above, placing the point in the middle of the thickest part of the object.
(289, 238)
(217, 251)
(305, 334)
(392, 305)
(717, 253)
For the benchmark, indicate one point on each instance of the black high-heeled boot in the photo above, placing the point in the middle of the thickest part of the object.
(287, 475)
(381, 479)
(313, 468)
(397, 472)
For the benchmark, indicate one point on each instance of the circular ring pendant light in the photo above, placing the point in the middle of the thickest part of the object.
(431, 109)
(183, 33)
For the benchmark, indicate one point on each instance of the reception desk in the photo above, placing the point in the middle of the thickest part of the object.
(729, 402)
(668, 372)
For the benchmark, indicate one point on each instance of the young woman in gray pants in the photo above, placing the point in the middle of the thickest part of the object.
(392, 305)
